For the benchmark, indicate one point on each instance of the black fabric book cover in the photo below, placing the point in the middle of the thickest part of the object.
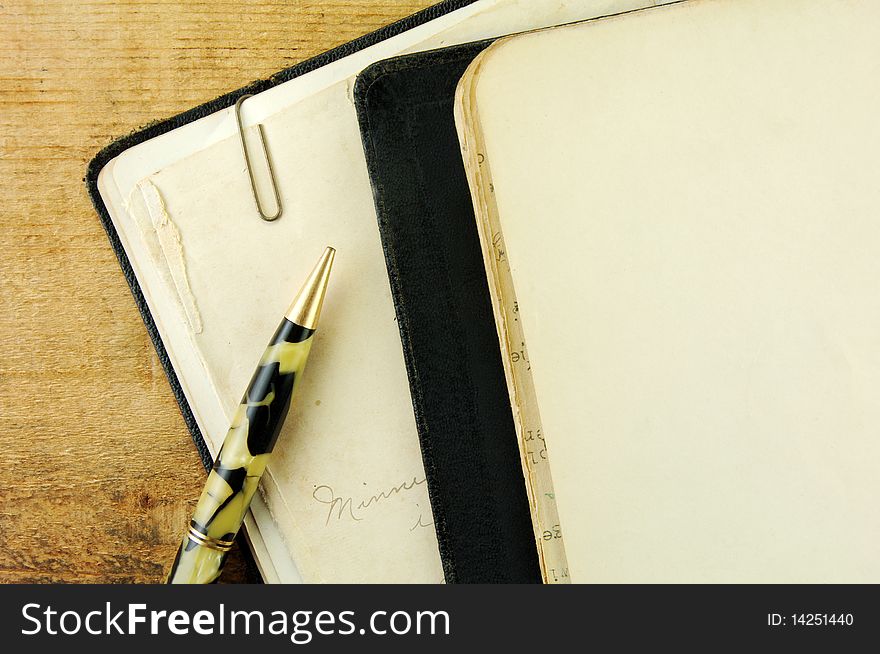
(441, 297)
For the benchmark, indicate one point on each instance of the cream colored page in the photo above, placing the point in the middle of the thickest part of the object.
(346, 487)
(533, 451)
(511, 16)
(534, 455)
(689, 202)
(347, 469)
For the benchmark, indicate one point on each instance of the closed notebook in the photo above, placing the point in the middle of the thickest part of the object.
(345, 496)
(678, 216)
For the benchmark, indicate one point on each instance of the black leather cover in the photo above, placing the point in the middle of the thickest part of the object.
(441, 296)
(156, 129)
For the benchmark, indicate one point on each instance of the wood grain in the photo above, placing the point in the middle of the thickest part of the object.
(98, 472)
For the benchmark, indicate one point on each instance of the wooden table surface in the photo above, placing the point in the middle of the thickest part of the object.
(98, 473)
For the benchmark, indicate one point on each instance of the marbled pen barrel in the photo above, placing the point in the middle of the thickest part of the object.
(242, 458)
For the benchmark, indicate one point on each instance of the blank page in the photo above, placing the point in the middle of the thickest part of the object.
(689, 198)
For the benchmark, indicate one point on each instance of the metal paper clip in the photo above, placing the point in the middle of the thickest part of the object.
(250, 170)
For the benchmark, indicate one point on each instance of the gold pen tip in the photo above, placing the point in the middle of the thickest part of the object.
(305, 310)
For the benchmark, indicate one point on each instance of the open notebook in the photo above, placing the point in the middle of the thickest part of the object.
(345, 499)
(678, 209)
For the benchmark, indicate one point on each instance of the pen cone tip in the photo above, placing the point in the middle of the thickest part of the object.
(306, 306)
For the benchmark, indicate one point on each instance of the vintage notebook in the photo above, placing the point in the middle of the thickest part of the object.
(678, 210)
(346, 500)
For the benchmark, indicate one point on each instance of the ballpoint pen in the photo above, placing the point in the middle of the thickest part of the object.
(249, 442)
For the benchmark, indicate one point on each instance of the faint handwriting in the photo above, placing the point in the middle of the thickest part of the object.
(344, 507)
(498, 246)
(421, 523)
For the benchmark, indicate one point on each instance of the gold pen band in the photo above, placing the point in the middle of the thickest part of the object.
(199, 538)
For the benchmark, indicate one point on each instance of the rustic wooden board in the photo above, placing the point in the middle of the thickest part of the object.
(98, 473)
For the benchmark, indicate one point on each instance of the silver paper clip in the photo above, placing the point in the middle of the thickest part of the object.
(250, 170)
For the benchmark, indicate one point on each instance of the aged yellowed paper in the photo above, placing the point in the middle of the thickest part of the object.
(688, 198)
